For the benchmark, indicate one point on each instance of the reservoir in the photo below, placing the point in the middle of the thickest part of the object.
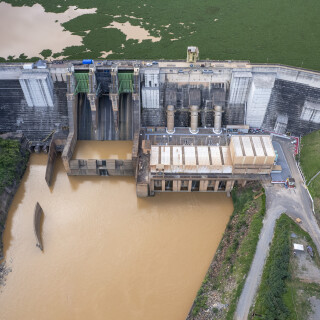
(107, 254)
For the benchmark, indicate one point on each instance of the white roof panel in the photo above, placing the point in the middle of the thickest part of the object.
(215, 156)
(258, 146)
(203, 156)
(177, 155)
(247, 146)
(165, 156)
(154, 157)
(190, 156)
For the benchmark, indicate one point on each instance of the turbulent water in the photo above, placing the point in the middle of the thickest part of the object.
(107, 254)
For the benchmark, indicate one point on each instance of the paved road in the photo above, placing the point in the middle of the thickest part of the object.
(297, 204)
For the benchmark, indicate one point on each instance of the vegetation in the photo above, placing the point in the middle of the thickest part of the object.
(11, 159)
(309, 159)
(269, 301)
(227, 273)
(259, 31)
(46, 53)
(281, 294)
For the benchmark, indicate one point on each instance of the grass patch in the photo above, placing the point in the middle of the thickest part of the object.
(227, 273)
(11, 159)
(310, 163)
(281, 295)
(261, 31)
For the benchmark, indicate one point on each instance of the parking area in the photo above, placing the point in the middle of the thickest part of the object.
(285, 173)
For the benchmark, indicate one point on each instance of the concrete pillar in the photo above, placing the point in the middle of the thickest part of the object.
(203, 185)
(72, 102)
(189, 185)
(170, 118)
(142, 190)
(216, 186)
(228, 185)
(194, 119)
(175, 186)
(217, 119)
(136, 113)
(243, 183)
(115, 109)
(163, 185)
(93, 101)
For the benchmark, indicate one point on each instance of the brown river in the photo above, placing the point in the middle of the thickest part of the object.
(107, 254)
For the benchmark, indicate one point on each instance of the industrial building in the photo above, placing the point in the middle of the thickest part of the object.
(184, 117)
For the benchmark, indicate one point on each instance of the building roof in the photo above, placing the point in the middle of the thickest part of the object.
(298, 247)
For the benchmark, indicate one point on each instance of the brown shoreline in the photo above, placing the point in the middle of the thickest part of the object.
(8, 193)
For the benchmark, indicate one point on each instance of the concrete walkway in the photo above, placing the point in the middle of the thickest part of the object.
(296, 203)
(313, 177)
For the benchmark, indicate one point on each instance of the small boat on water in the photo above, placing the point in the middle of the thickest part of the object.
(38, 214)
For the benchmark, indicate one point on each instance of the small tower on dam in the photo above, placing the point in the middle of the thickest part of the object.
(37, 85)
(192, 54)
(217, 119)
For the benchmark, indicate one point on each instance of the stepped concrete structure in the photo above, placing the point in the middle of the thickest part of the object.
(186, 107)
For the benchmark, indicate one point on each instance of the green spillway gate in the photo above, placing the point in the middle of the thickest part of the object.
(125, 82)
(82, 83)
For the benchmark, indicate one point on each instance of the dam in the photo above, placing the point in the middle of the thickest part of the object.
(189, 121)
(112, 133)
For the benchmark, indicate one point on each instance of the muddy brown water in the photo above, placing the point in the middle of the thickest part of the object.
(102, 150)
(30, 30)
(107, 254)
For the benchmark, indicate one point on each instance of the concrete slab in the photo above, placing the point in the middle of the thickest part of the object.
(282, 162)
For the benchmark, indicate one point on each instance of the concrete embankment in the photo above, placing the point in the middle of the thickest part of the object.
(19, 161)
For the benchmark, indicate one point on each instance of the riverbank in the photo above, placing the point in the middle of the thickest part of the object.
(290, 285)
(14, 156)
(217, 298)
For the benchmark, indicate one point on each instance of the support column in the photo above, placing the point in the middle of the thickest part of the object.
(115, 109)
(243, 183)
(189, 185)
(216, 186)
(136, 102)
(170, 118)
(203, 185)
(194, 119)
(232, 184)
(72, 102)
(217, 119)
(114, 97)
(92, 97)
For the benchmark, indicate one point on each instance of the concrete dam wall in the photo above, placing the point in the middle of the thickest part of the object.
(116, 98)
